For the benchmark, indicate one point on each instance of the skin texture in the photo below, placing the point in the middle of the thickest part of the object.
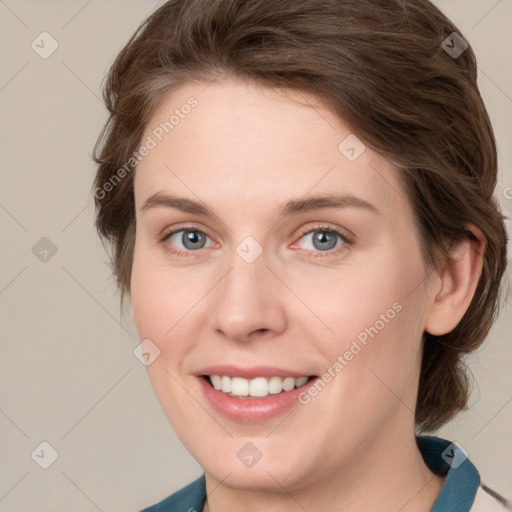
(244, 151)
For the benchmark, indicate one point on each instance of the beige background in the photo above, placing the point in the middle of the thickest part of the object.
(68, 374)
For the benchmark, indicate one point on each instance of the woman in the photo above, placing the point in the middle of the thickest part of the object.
(299, 201)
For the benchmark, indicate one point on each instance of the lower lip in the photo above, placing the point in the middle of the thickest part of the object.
(252, 410)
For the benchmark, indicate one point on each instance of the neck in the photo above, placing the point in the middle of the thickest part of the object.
(385, 473)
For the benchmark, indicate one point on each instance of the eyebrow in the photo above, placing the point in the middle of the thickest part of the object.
(311, 204)
(293, 207)
(182, 204)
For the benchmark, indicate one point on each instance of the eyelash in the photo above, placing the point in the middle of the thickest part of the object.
(177, 252)
(348, 241)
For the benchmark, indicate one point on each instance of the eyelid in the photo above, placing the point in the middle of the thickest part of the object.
(348, 240)
(168, 232)
(345, 234)
(191, 226)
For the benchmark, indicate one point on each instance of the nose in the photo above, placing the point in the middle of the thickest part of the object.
(249, 302)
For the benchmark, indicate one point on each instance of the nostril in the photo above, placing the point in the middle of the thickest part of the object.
(259, 331)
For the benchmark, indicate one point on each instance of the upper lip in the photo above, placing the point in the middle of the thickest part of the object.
(250, 372)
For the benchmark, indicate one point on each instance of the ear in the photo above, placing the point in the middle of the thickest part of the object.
(456, 285)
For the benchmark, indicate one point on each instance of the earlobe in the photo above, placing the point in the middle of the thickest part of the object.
(458, 283)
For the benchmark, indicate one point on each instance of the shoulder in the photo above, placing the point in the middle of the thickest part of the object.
(190, 498)
(486, 500)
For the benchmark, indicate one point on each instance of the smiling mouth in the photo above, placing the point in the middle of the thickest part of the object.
(260, 387)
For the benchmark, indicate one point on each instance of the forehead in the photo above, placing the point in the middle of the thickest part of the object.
(256, 147)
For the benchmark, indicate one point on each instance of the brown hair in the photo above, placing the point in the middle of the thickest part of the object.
(381, 66)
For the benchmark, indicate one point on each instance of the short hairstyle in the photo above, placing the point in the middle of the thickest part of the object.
(380, 66)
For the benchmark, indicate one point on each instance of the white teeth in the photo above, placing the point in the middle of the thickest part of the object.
(275, 385)
(288, 383)
(239, 386)
(301, 381)
(258, 387)
(226, 384)
(216, 381)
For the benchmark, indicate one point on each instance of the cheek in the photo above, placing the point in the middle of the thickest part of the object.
(148, 304)
(374, 315)
(161, 295)
(380, 359)
(151, 299)
(361, 302)
(163, 301)
(367, 283)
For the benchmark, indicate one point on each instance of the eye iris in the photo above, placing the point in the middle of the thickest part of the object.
(193, 240)
(324, 240)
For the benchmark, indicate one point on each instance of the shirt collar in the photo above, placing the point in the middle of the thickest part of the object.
(462, 479)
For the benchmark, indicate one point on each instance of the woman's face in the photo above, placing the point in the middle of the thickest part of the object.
(270, 249)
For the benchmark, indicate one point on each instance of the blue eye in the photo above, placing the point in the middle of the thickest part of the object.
(323, 240)
(190, 239)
